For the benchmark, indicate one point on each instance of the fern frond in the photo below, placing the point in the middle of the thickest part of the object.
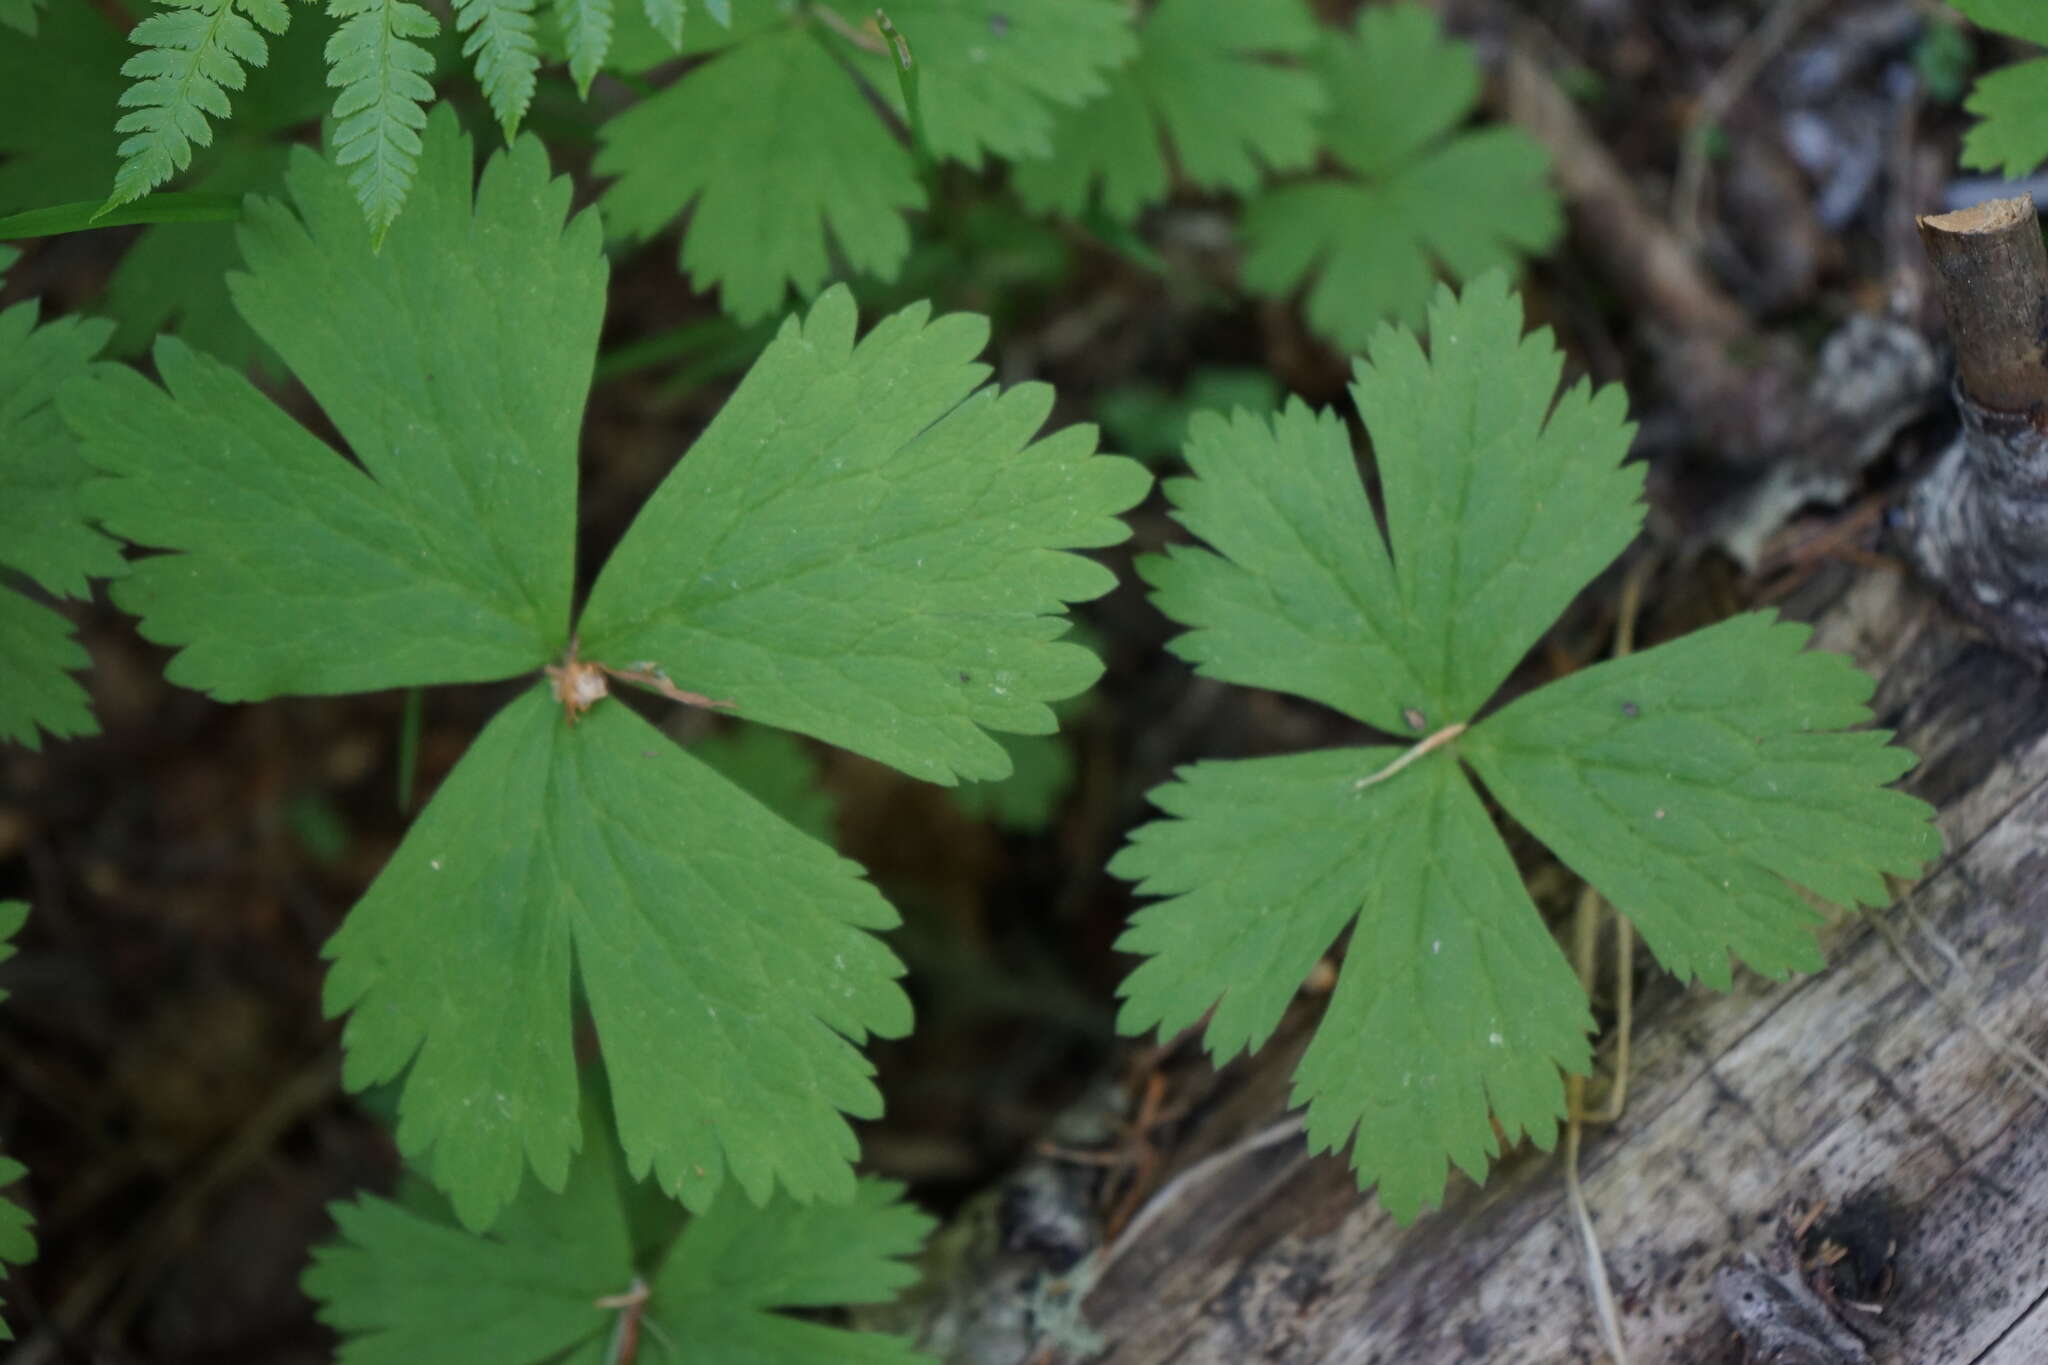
(193, 53)
(501, 45)
(376, 60)
(587, 31)
(666, 18)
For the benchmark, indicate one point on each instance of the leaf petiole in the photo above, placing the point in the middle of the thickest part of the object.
(1432, 743)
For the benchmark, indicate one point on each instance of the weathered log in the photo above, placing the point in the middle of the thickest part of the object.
(1860, 1082)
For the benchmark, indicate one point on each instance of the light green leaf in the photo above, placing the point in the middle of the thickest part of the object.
(17, 1243)
(380, 67)
(1188, 52)
(888, 576)
(44, 534)
(2011, 104)
(665, 17)
(1427, 197)
(193, 53)
(1695, 785)
(403, 1286)
(993, 73)
(1292, 597)
(730, 975)
(1454, 1002)
(774, 768)
(798, 155)
(1502, 497)
(1500, 503)
(500, 42)
(446, 557)
(587, 29)
(724, 956)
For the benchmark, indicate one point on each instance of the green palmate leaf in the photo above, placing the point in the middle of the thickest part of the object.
(1699, 785)
(500, 42)
(992, 74)
(446, 557)
(799, 154)
(1453, 1002)
(381, 67)
(1189, 52)
(2011, 103)
(1425, 197)
(733, 1267)
(860, 587)
(556, 1281)
(862, 547)
(44, 534)
(17, 1243)
(730, 975)
(193, 53)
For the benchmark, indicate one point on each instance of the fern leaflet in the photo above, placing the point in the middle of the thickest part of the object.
(376, 60)
(666, 18)
(501, 45)
(587, 31)
(193, 53)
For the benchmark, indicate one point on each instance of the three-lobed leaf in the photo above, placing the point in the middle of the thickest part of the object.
(2011, 103)
(1188, 51)
(1422, 195)
(866, 546)
(1700, 785)
(894, 584)
(446, 556)
(555, 1280)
